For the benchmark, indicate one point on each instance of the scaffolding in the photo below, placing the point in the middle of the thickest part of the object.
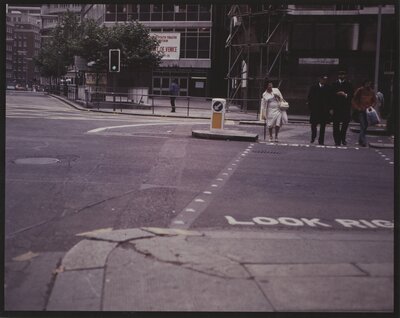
(256, 43)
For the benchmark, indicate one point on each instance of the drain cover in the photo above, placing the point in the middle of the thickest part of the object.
(36, 161)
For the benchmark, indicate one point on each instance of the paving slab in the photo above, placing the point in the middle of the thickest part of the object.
(178, 250)
(164, 231)
(30, 282)
(330, 293)
(143, 284)
(268, 270)
(87, 254)
(299, 250)
(77, 291)
(119, 235)
(377, 269)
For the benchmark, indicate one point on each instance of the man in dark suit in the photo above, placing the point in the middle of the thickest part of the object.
(342, 93)
(318, 103)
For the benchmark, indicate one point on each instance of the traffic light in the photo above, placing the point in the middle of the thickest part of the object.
(114, 59)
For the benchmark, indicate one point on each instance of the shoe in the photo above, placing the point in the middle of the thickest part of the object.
(337, 145)
(276, 139)
(321, 143)
(344, 143)
(271, 139)
(172, 111)
(312, 140)
(362, 145)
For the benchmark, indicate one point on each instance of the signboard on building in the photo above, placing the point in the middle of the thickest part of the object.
(91, 78)
(169, 44)
(320, 61)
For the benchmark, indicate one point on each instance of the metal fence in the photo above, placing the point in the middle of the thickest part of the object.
(189, 106)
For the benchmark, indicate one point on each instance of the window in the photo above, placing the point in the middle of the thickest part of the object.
(205, 12)
(121, 12)
(111, 10)
(347, 37)
(180, 12)
(156, 12)
(144, 14)
(168, 12)
(192, 12)
(133, 11)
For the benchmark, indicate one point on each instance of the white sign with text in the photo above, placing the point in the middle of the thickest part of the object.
(169, 44)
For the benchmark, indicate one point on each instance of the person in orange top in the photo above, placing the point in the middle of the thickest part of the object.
(363, 98)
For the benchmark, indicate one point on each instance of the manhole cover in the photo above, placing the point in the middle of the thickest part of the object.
(36, 161)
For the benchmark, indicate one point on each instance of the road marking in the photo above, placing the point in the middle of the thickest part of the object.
(140, 125)
(188, 218)
(313, 222)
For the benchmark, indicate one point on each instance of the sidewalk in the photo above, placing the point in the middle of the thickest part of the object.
(202, 110)
(155, 269)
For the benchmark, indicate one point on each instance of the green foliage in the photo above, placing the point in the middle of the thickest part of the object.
(92, 42)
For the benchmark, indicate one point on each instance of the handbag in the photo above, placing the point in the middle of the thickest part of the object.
(372, 116)
(283, 105)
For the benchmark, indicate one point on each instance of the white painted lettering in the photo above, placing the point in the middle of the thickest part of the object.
(369, 224)
(290, 221)
(314, 222)
(350, 223)
(232, 221)
(265, 221)
(383, 223)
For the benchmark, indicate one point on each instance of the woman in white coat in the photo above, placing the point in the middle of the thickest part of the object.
(274, 115)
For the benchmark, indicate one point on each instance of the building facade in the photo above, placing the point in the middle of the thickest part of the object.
(294, 44)
(25, 45)
(188, 28)
(9, 52)
(50, 14)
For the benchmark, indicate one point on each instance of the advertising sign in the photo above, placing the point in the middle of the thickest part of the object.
(169, 44)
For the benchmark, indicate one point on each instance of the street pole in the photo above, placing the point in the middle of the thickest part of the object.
(378, 48)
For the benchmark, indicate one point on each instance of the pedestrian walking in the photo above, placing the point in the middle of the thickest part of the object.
(173, 92)
(342, 94)
(318, 100)
(364, 97)
(275, 116)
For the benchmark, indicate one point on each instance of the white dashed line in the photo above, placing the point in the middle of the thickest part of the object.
(207, 192)
(220, 179)
(199, 200)
(214, 185)
(190, 210)
(225, 174)
(179, 222)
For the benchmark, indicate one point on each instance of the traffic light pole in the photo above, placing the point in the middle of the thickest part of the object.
(113, 79)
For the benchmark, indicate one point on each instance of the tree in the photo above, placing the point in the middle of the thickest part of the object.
(58, 51)
(87, 39)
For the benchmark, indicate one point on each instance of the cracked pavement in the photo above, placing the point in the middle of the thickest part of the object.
(166, 269)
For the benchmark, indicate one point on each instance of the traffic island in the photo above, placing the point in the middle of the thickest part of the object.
(377, 131)
(225, 134)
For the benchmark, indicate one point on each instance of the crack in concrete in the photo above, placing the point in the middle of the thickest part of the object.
(187, 265)
(51, 284)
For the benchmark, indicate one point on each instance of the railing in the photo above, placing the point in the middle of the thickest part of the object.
(186, 106)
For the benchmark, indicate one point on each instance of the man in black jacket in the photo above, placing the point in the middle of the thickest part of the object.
(318, 103)
(342, 93)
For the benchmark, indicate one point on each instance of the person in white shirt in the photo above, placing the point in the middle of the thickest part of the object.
(274, 116)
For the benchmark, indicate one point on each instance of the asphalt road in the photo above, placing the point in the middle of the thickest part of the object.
(69, 172)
